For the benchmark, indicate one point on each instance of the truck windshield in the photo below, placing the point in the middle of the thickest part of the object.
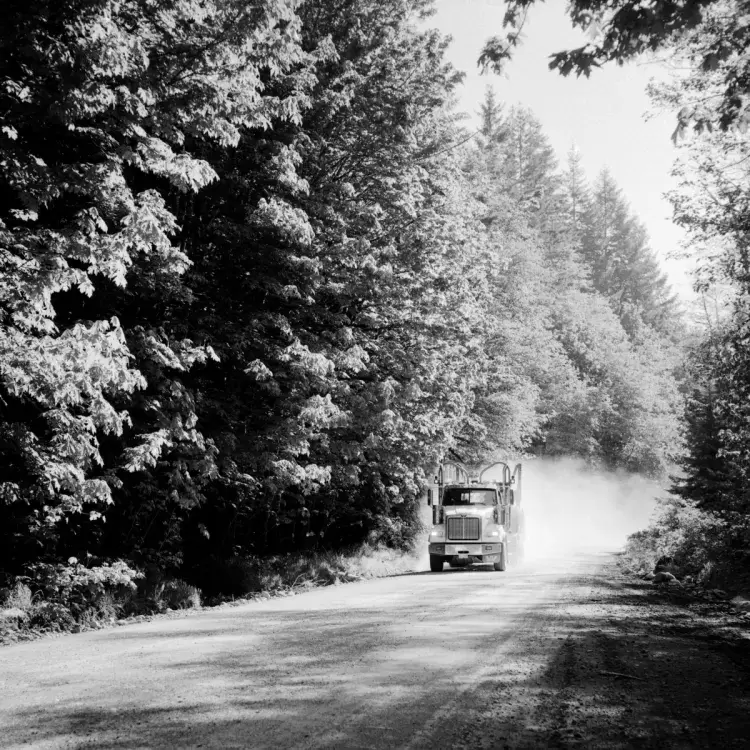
(468, 496)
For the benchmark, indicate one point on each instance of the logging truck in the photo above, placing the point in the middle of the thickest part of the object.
(476, 520)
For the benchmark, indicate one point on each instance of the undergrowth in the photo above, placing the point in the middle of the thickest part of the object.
(240, 577)
(73, 597)
(327, 568)
(710, 549)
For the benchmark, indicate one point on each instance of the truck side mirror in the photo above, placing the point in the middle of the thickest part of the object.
(512, 497)
(429, 496)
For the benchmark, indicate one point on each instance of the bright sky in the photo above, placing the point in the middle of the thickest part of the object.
(604, 116)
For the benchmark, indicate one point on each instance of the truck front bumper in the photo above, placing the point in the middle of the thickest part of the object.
(483, 551)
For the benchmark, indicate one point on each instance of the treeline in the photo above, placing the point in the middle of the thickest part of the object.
(704, 526)
(256, 278)
(712, 202)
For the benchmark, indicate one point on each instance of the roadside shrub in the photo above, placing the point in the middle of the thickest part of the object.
(396, 533)
(329, 568)
(377, 561)
(234, 577)
(177, 594)
(306, 570)
(108, 607)
(13, 616)
(329, 572)
(642, 551)
(51, 616)
(694, 539)
(272, 581)
(19, 596)
(81, 591)
(707, 574)
(149, 588)
(242, 576)
(15, 608)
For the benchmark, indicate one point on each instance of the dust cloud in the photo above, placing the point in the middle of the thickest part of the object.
(570, 507)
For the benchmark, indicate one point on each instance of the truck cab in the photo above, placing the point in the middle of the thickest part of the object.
(474, 520)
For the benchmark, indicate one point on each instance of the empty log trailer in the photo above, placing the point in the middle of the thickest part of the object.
(476, 520)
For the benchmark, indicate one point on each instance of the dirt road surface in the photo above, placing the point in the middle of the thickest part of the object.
(559, 653)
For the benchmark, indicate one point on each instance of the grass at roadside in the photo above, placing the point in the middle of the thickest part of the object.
(303, 571)
(74, 598)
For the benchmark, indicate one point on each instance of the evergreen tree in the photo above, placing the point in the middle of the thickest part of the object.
(492, 126)
(624, 268)
(577, 194)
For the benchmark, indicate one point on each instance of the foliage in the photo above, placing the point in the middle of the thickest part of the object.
(256, 280)
(177, 594)
(345, 375)
(583, 330)
(717, 30)
(623, 267)
(54, 616)
(711, 548)
(77, 588)
(325, 568)
(705, 526)
(711, 203)
(19, 596)
(104, 105)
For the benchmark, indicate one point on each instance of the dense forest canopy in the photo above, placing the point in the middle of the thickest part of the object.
(255, 280)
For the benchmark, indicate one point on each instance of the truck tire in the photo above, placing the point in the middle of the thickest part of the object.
(502, 563)
(436, 563)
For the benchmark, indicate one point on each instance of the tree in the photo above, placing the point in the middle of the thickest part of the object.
(706, 471)
(711, 203)
(624, 268)
(577, 193)
(340, 302)
(491, 113)
(564, 377)
(102, 103)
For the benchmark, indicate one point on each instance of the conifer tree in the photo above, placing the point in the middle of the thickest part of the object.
(577, 193)
(624, 268)
(492, 126)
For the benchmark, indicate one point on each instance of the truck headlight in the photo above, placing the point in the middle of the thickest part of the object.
(437, 534)
(493, 533)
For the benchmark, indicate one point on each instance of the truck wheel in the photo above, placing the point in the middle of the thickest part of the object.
(502, 563)
(436, 563)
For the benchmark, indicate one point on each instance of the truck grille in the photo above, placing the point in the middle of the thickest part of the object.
(463, 528)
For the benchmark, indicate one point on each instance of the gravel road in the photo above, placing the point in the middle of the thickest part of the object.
(559, 653)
